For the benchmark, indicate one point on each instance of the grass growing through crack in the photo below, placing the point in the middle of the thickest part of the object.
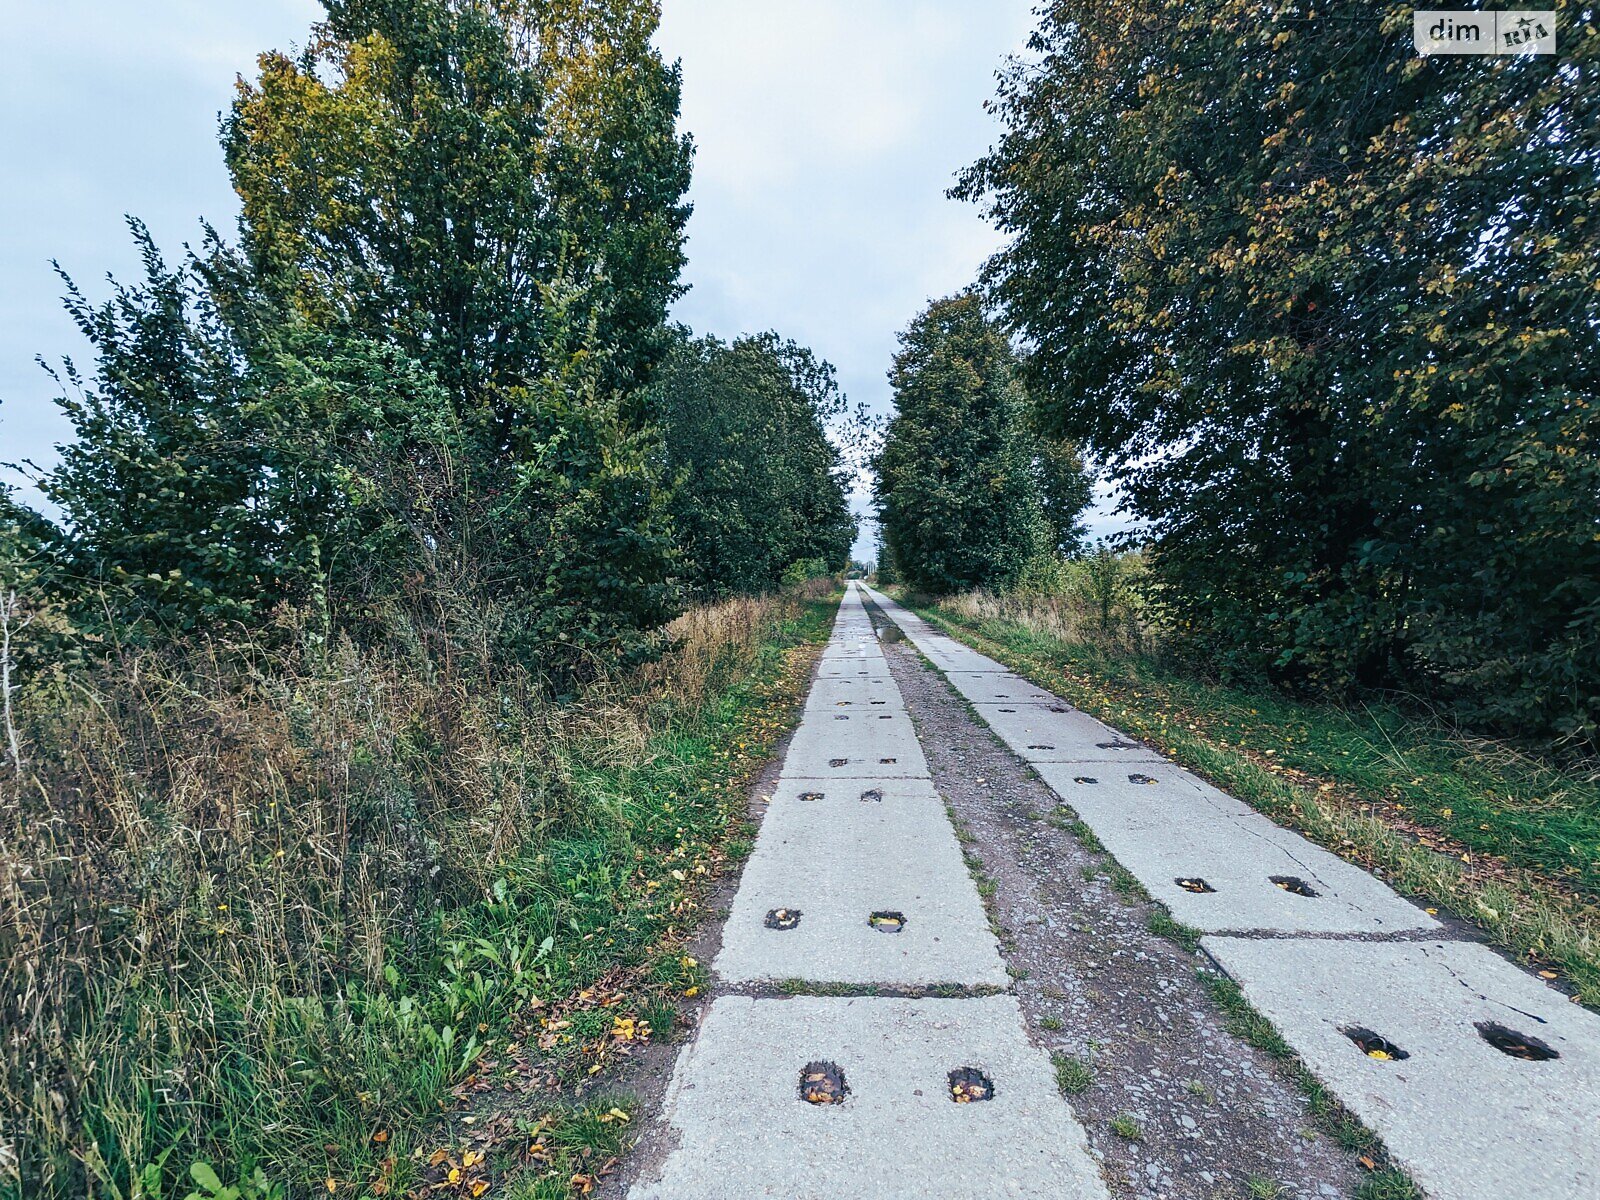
(1506, 840)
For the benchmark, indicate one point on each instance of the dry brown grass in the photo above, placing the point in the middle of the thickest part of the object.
(216, 858)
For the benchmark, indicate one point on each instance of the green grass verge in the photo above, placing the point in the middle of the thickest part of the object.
(1506, 841)
(573, 958)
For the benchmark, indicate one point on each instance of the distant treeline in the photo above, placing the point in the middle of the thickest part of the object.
(1330, 315)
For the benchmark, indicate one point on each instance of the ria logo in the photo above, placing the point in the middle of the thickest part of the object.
(1468, 31)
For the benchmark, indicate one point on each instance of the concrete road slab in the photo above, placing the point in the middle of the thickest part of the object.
(858, 735)
(839, 859)
(1040, 734)
(847, 694)
(853, 668)
(813, 758)
(1469, 1121)
(987, 687)
(1179, 828)
(744, 1134)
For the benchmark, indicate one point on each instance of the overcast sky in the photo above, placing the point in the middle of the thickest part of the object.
(827, 133)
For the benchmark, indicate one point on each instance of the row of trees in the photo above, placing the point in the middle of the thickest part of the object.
(1331, 315)
(968, 494)
(427, 381)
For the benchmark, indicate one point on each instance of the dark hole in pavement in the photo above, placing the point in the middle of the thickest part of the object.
(1290, 884)
(823, 1083)
(887, 922)
(837, 762)
(1117, 745)
(1084, 779)
(872, 796)
(783, 918)
(1198, 886)
(1137, 778)
(1002, 695)
(1008, 710)
(1517, 1045)
(1041, 747)
(878, 702)
(840, 717)
(1374, 1046)
(887, 761)
(811, 795)
(968, 1085)
(1059, 708)
(885, 717)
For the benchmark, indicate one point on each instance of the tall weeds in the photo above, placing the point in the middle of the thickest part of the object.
(226, 878)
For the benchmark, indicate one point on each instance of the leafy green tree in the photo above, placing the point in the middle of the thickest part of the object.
(957, 491)
(1331, 319)
(759, 485)
(419, 378)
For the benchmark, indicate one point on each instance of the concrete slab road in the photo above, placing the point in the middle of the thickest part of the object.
(1485, 1083)
(744, 1133)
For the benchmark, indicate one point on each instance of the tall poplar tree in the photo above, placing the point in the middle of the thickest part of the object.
(958, 498)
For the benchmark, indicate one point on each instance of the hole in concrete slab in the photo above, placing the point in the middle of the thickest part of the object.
(969, 1085)
(1084, 779)
(1002, 695)
(809, 796)
(783, 918)
(885, 717)
(1290, 884)
(1517, 1045)
(887, 761)
(877, 702)
(1059, 708)
(1374, 1046)
(887, 922)
(823, 1083)
(1008, 710)
(1041, 746)
(840, 717)
(1137, 778)
(1198, 886)
(837, 762)
(1117, 745)
(872, 796)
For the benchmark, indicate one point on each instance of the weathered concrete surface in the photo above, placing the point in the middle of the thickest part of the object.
(1468, 1121)
(839, 858)
(874, 692)
(1180, 827)
(743, 1133)
(862, 737)
(1044, 733)
(986, 687)
(853, 668)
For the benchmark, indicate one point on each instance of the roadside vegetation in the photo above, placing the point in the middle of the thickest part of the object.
(413, 603)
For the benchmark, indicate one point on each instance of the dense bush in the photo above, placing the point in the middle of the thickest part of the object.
(1332, 318)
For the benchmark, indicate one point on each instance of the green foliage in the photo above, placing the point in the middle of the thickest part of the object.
(759, 486)
(958, 488)
(1353, 300)
(415, 391)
